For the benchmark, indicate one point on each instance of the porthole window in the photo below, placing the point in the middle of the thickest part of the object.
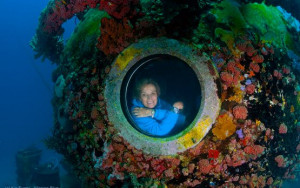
(177, 74)
(176, 84)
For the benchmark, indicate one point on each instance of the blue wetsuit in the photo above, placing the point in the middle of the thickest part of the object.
(164, 119)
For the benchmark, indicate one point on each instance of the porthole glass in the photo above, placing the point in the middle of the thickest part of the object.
(175, 83)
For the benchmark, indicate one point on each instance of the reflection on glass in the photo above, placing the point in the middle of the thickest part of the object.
(160, 95)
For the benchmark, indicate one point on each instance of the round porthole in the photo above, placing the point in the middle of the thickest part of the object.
(177, 74)
(175, 82)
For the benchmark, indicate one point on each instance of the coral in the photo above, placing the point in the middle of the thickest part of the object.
(286, 70)
(250, 89)
(280, 161)
(115, 36)
(212, 153)
(254, 150)
(224, 126)
(240, 112)
(277, 74)
(258, 58)
(227, 78)
(236, 159)
(119, 9)
(94, 113)
(204, 166)
(255, 67)
(59, 12)
(238, 94)
(283, 129)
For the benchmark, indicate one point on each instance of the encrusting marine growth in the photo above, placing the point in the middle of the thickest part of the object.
(254, 141)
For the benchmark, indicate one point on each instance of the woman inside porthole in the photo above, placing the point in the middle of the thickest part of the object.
(151, 113)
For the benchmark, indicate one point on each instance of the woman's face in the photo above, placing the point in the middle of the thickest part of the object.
(148, 96)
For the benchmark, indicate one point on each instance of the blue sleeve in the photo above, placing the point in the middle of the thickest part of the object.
(158, 127)
(160, 114)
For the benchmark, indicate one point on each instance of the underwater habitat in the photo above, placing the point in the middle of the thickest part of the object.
(169, 93)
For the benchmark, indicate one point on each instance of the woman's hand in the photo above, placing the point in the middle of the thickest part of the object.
(142, 112)
(178, 105)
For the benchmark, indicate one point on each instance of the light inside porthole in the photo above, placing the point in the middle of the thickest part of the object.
(177, 82)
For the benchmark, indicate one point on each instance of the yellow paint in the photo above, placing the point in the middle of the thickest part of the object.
(126, 56)
(196, 134)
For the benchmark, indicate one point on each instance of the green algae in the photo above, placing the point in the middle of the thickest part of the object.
(225, 36)
(268, 22)
(228, 13)
(235, 19)
(84, 38)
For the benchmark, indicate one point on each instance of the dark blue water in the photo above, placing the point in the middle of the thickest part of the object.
(26, 87)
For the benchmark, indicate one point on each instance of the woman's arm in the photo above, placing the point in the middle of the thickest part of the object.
(155, 126)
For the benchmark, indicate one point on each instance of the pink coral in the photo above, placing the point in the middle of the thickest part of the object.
(118, 9)
(241, 45)
(258, 58)
(254, 150)
(204, 166)
(115, 36)
(237, 159)
(250, 89)
(250, 50)
(277, 74)
(240, 112)
(270, 181)
(280, 161)
(231, 66)
(282, 129)
(286, 70)
(227, 78)
(255, 67)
